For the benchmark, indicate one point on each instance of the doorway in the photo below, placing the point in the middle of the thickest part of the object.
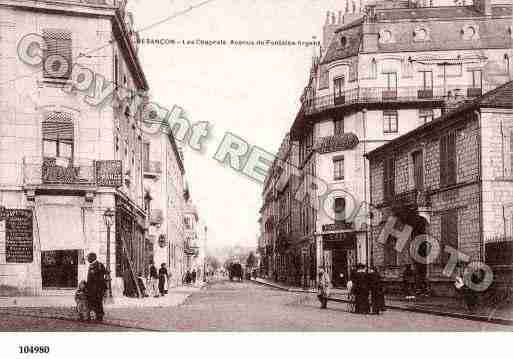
(59, 269)
(339, 268)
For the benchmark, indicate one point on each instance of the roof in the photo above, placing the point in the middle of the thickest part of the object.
(500, 97)
(441, 12)
(353, 39)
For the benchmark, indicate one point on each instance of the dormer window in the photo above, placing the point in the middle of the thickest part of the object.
(469, 32)
(420, 34)
(343, 41)
(385, 36)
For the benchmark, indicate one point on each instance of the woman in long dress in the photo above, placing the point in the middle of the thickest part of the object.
(323, 288)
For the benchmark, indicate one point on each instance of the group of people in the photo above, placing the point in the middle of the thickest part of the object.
(365, 288)
(190, 277)
(89, 295)
(157, 281)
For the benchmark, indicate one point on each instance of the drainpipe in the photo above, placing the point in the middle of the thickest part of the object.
(368, 258)
(480, 181)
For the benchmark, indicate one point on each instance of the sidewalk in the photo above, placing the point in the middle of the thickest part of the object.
(450, 307)
(175, 296)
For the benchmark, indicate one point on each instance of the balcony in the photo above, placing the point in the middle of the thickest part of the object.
(152, 169)
(156, 217)
(337, 226)
(411, 198)
(379, 95)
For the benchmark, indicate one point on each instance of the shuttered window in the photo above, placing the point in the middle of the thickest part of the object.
(448, 160)
(389, 178)
(57, 54)
(511, 154)
(449, 233)
(324, 78)
(338, 168)
(338, 126)
(418, 170)
(57, 139)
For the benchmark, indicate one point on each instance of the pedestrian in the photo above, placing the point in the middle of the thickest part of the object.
(140, 284)
(323, 288)
(193, 276)
(153, 280)
(361, 290)
(469, 295)
(96, 286)
(376, 289)
(81, 300)
(188, 277)
(163, 278)
(408, 282)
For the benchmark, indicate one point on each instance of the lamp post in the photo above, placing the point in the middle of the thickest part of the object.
(109, 218)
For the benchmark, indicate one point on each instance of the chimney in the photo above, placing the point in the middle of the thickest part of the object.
(483, 6)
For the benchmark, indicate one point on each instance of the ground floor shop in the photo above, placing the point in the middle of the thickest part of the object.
(45, 237)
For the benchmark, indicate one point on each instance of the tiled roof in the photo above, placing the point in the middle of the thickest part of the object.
(501, 97)
(353, 38)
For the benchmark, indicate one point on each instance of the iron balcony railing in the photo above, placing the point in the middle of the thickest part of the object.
(39, 171)
(366, 95)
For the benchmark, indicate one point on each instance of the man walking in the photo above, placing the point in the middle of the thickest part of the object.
(96, 285)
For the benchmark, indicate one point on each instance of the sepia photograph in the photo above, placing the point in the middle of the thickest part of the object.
(254, 166)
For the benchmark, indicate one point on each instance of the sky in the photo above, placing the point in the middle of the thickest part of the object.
(252, 92)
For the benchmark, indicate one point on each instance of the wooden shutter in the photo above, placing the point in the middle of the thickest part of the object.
(449, 233)
(389, 178)
(418, 170)
(443, 161)
(57, 42)
(511, 154)
(451, 158)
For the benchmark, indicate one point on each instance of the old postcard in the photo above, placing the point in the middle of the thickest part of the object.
(255, 166)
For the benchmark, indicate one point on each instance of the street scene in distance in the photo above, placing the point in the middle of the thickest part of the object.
(347, 167)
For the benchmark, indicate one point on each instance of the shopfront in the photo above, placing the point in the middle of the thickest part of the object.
(339, 256)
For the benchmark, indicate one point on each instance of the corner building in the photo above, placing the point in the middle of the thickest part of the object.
(63, 161)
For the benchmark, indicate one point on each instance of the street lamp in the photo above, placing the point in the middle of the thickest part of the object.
(109, 218)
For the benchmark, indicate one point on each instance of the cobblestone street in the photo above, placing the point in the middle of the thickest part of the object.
(235, 306)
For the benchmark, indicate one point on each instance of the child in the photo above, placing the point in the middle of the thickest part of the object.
(81, 300)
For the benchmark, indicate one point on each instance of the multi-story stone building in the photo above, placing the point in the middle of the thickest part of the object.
(195, 240)
(452, 180)
(387, 68)
(165, 200)
(67, 157)
(268, 219)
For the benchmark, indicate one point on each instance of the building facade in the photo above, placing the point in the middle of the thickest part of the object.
(449, 179)
(164, 196)
(386, 68)
(66, 156)
(195, 241)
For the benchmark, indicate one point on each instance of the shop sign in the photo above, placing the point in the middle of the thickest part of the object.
(19, 241)
(109, 173)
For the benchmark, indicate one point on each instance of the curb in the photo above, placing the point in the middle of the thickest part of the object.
(477, 318)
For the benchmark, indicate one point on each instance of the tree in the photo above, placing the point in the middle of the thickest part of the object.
(251, 260)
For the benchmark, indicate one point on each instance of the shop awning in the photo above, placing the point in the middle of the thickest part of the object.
(60, 227)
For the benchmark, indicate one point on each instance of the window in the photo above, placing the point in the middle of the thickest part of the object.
(146, 156)
(449, 233)
(448, 160)
(427, 80)
(426, 115)
(511, 153)
(390, 253)
(117, 143)
(373, 69)
(476, 76)
(389, 178)
(391, 80)
(338, 86)
(58, 140)
(506, 64)
(339, 208)
(390, 121)
(418, 170)
(57, 54)
(116, 72)
(324, 78)
(338, 168)
(343, 41)
(338, 125)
